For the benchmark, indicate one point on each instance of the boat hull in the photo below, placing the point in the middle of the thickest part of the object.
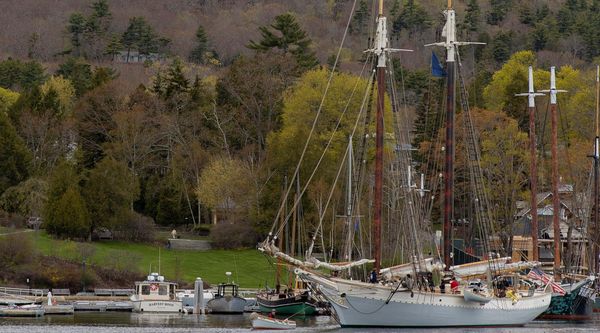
(264, 323)
(362, 305)
(293, 305)
(226, 304)
(157, 306)
(571, 305)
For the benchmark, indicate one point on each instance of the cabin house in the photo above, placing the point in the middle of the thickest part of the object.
(573, 210)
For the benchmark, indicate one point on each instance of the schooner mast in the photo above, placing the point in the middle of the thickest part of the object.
(596, 156)
(531, 94)
(450, 44)
(555, 181)
(380, 50)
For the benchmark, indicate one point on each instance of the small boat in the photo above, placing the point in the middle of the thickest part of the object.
(227, 300)
(260, 322)
(470, 295)
(156, 295)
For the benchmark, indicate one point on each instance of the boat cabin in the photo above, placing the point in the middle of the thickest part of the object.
(155, 288)
(227, 289)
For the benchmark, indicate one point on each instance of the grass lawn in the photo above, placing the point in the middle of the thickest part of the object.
(249, 268)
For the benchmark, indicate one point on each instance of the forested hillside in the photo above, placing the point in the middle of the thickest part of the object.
(126, 113)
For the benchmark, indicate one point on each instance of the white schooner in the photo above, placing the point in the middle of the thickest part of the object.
(389, 303)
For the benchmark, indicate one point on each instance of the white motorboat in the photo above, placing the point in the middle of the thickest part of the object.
(267, 323)
(227, 300)
(156, 295)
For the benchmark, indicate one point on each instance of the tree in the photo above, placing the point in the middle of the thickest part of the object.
(7, 99)
(79, 73)
(94, 122)
(109, 192)
(252, 92)
(224, 185)
(14, 156)
(504, 161)
(28, 198)
(202, 53)
(113, 47)
(472, 17)
(65, 94)
(360, 18)
(412, 18)
(97, 27)
(498, 10)
(65, 214)
(511, 79)
(76, 27)
(82, 76)
(17, 75)
(141, 37)
(285, 34)
(175, 81)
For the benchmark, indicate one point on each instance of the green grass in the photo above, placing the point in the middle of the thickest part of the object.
(249, 268)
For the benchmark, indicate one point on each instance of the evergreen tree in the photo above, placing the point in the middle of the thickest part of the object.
(140, 36)
(175, 81)
(80, 74)
(201, 54)
(76, 27)
(360, 18)
(413, 18)
(17, 75)
(286, 34)
(14, 156)
(109, 192)
(65, 214)
(501, 46)
(498, 11)
(113, 47)
(472, 17)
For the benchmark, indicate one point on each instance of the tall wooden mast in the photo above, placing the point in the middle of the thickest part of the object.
(450, 45)
(450, 119)
(381, 51)
(531, 94)
(380, 47)
(555, 181)
(596, 236)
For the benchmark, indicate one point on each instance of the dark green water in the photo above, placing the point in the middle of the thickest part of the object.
(95, 322)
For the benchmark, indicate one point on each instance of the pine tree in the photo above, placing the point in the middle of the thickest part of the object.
(412, 18)
(472, 17)
(360, 18)
(201, 54)
(498, 11)
(76, 27)
(286, 35)
(113, 47)
(175, 82)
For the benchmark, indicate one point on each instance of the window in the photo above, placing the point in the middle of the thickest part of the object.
(146, 290)
(163, 289)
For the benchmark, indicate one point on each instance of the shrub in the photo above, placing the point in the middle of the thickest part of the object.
(233, 236)
(136, 228)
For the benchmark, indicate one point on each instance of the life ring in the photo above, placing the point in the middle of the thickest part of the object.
(153, 287)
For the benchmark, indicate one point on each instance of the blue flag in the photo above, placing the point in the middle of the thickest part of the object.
(436, 67)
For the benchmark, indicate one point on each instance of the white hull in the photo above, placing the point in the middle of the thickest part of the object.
(266, 323)
(363, 304)
(157, 306)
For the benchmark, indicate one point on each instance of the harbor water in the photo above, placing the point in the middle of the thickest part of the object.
(104, 322)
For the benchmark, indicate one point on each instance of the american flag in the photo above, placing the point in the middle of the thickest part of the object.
(537, 274)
